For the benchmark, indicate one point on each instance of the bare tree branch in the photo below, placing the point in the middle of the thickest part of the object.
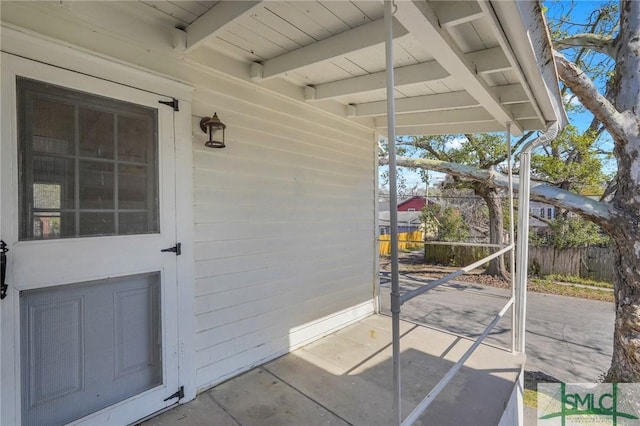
(582, 86)
(599, 42)
(588, 208)
(542, 219)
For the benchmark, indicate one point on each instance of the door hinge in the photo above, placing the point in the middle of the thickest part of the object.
(179, 394)
(172, 103)
(177, 249)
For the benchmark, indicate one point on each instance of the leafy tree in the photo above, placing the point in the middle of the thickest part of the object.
(571, 162)
(444, 224)
(479, 150)
(452, 226)
(570, 232)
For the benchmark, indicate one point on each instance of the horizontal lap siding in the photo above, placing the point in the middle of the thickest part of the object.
(283, 217)
(284, 227)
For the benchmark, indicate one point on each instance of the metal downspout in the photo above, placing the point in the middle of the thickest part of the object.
(522, 246)
(393, 212)
(512, 254)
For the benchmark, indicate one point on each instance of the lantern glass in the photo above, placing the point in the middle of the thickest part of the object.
(215, 128)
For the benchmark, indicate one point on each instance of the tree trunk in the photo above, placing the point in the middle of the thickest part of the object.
(496, 226)
(625, 363)
(625, 226)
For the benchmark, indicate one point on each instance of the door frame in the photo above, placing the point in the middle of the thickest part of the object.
(18, 47)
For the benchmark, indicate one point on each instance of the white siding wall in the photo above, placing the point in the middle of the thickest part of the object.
(284, 221)
(284, 227)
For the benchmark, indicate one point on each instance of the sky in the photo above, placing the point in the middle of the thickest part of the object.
(580, 12)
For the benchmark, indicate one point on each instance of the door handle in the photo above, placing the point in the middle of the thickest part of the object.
(3, 269)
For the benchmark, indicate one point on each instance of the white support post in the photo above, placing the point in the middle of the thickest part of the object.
(393, 215)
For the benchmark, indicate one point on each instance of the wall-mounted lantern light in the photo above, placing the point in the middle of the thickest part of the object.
(213, 126)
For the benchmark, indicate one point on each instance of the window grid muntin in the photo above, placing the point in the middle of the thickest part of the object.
(28, 92)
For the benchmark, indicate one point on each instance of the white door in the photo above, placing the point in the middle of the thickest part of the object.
(87, 183)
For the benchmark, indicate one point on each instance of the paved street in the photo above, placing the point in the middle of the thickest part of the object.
(567, 338)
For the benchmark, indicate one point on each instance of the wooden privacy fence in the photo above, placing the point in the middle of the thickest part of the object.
(595, 263)
(406, 241)
(454, 255)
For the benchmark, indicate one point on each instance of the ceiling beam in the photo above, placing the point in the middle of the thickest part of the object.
(440, 101)
(213, 21)
(420, 19)
(358, 38)
(510, 94)
(450, 129)
(469, 115)
(488, 60)
(484, 61)
(524, 111)
(410, 74)
(530, 124)
(463, 11)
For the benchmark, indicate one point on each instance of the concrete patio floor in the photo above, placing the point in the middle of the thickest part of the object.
(346, 379)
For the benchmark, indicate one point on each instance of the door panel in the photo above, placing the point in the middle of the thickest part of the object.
(88, 346)
(87, 203)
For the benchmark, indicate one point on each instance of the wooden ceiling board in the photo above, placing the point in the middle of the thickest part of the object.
(298, 19)
(252, 38)
(319, 13)
(496, 79)
(195, 7)
(453, 84)
(372, 96)
(485, 32)
(373, 9)
(248, 42)
(347, 12)
(276, 23)
(418, 50)
(371, 59)
(232, 44)
(226, 48)
(172, 9)
(437, 87)
(511, 76)
(419, 89)
(207, 3)
(467, 38)
(348, 66)
(269, 33)
(317, 74)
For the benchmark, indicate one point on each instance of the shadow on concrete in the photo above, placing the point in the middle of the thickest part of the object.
(346, 379)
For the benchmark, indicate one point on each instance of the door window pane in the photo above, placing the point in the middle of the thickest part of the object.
(88, 165)
(96, 224)
(52, 126)
(96, 133)
(133, 185)
(135, 135)
(96, 185)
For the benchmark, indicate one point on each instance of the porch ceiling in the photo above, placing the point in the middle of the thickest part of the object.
(461, 66)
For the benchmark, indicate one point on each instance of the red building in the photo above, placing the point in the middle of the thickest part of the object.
(415, 203)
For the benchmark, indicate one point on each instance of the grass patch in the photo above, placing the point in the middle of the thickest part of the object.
(530, 398)
(578, 280)
(550, 287)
